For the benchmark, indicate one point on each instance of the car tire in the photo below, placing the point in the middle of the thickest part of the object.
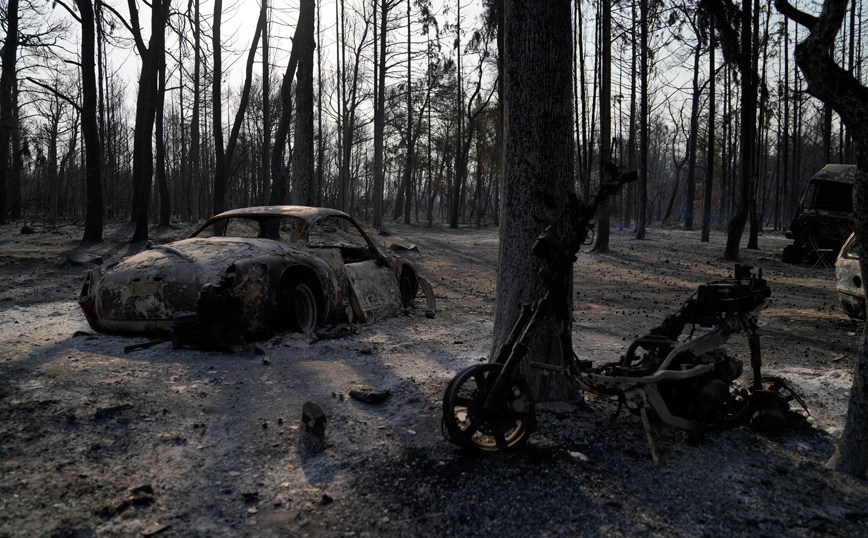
(298, 308)
(407, 290)
(792, 254)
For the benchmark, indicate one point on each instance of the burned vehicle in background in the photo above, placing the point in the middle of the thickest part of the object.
(848, 280)
(263, 270)
(823, 218)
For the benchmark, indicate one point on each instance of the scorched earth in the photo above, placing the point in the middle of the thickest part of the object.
(98, 442)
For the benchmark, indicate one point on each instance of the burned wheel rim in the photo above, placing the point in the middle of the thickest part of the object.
(406, 286)
(467, 423)
(298, 308)
(304, 308)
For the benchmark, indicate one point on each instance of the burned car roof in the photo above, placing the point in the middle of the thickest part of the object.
(823, 218)
(306, 213)
(837, 172)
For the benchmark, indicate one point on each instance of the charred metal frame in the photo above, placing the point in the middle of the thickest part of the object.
(252, 280)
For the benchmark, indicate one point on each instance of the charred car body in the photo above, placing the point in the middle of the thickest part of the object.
(264, 269)
(823, 219)
(848, 280)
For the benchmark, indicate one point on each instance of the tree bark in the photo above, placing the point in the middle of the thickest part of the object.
(538, 165)
(220, 173)
(304, 27)
(303, 191)
(265, 179)
(411, 146)
(8, 116)
(159, 136)
(642, 195)
(691, 143)
(602, 245)
(146, 107)
(735, 228)
(709, 160)
(93, 219)
(380, 116)
(195, 159)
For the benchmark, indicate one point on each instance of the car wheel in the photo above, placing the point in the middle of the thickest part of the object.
(792, 254)
(407, 289)
(298, 308)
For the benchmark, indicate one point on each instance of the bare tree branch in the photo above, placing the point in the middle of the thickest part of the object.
(55, 92)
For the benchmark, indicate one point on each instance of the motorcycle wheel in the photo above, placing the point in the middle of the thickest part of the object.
(466, 422)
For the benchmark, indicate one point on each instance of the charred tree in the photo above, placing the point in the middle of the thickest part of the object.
(380, 110)
(265, 170)
(709, 160)
(8, 115)
(146, 108)
(305, 26)
(642, 195)
(304, 192)
(195, 161)
(691, 142)
(736, 33)
(538, 164)
(93, 219)
(602, 245)
(160, 156)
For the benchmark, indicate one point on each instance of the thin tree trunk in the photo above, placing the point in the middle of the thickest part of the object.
(709, 160)
(146, 108)
(303, 191)
(408, 171)
(8, 117)
(221, 174)
(691, 143)
(602, 245)
(93, 221)
(194, 157)
(304, 27)
(736, 225)
(643, 123)
(159, 137)
(380, 115)
(265, 169)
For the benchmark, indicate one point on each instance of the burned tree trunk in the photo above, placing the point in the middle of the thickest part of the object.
(146, 108)
(8, 116)
(304, 189)
(735, 228)
(538, 164)
(93, 220)
(278, 167)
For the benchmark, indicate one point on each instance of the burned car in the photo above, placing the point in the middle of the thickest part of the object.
(262, 270)
(848, 280)
(823, 219)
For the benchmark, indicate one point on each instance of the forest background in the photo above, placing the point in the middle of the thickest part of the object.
(393, 113)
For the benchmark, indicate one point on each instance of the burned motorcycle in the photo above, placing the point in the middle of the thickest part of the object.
(686, 381)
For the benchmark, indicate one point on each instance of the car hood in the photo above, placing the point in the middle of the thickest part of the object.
(165, 280)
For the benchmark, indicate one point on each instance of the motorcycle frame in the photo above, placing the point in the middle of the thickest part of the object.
(639, 392)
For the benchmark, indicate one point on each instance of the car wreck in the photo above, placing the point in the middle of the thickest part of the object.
(848, 280)
(262, 270)
(823, 218)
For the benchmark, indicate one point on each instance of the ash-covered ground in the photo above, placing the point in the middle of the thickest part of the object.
(97, 442)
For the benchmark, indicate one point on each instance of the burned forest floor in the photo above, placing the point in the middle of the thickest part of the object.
(96, 442)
